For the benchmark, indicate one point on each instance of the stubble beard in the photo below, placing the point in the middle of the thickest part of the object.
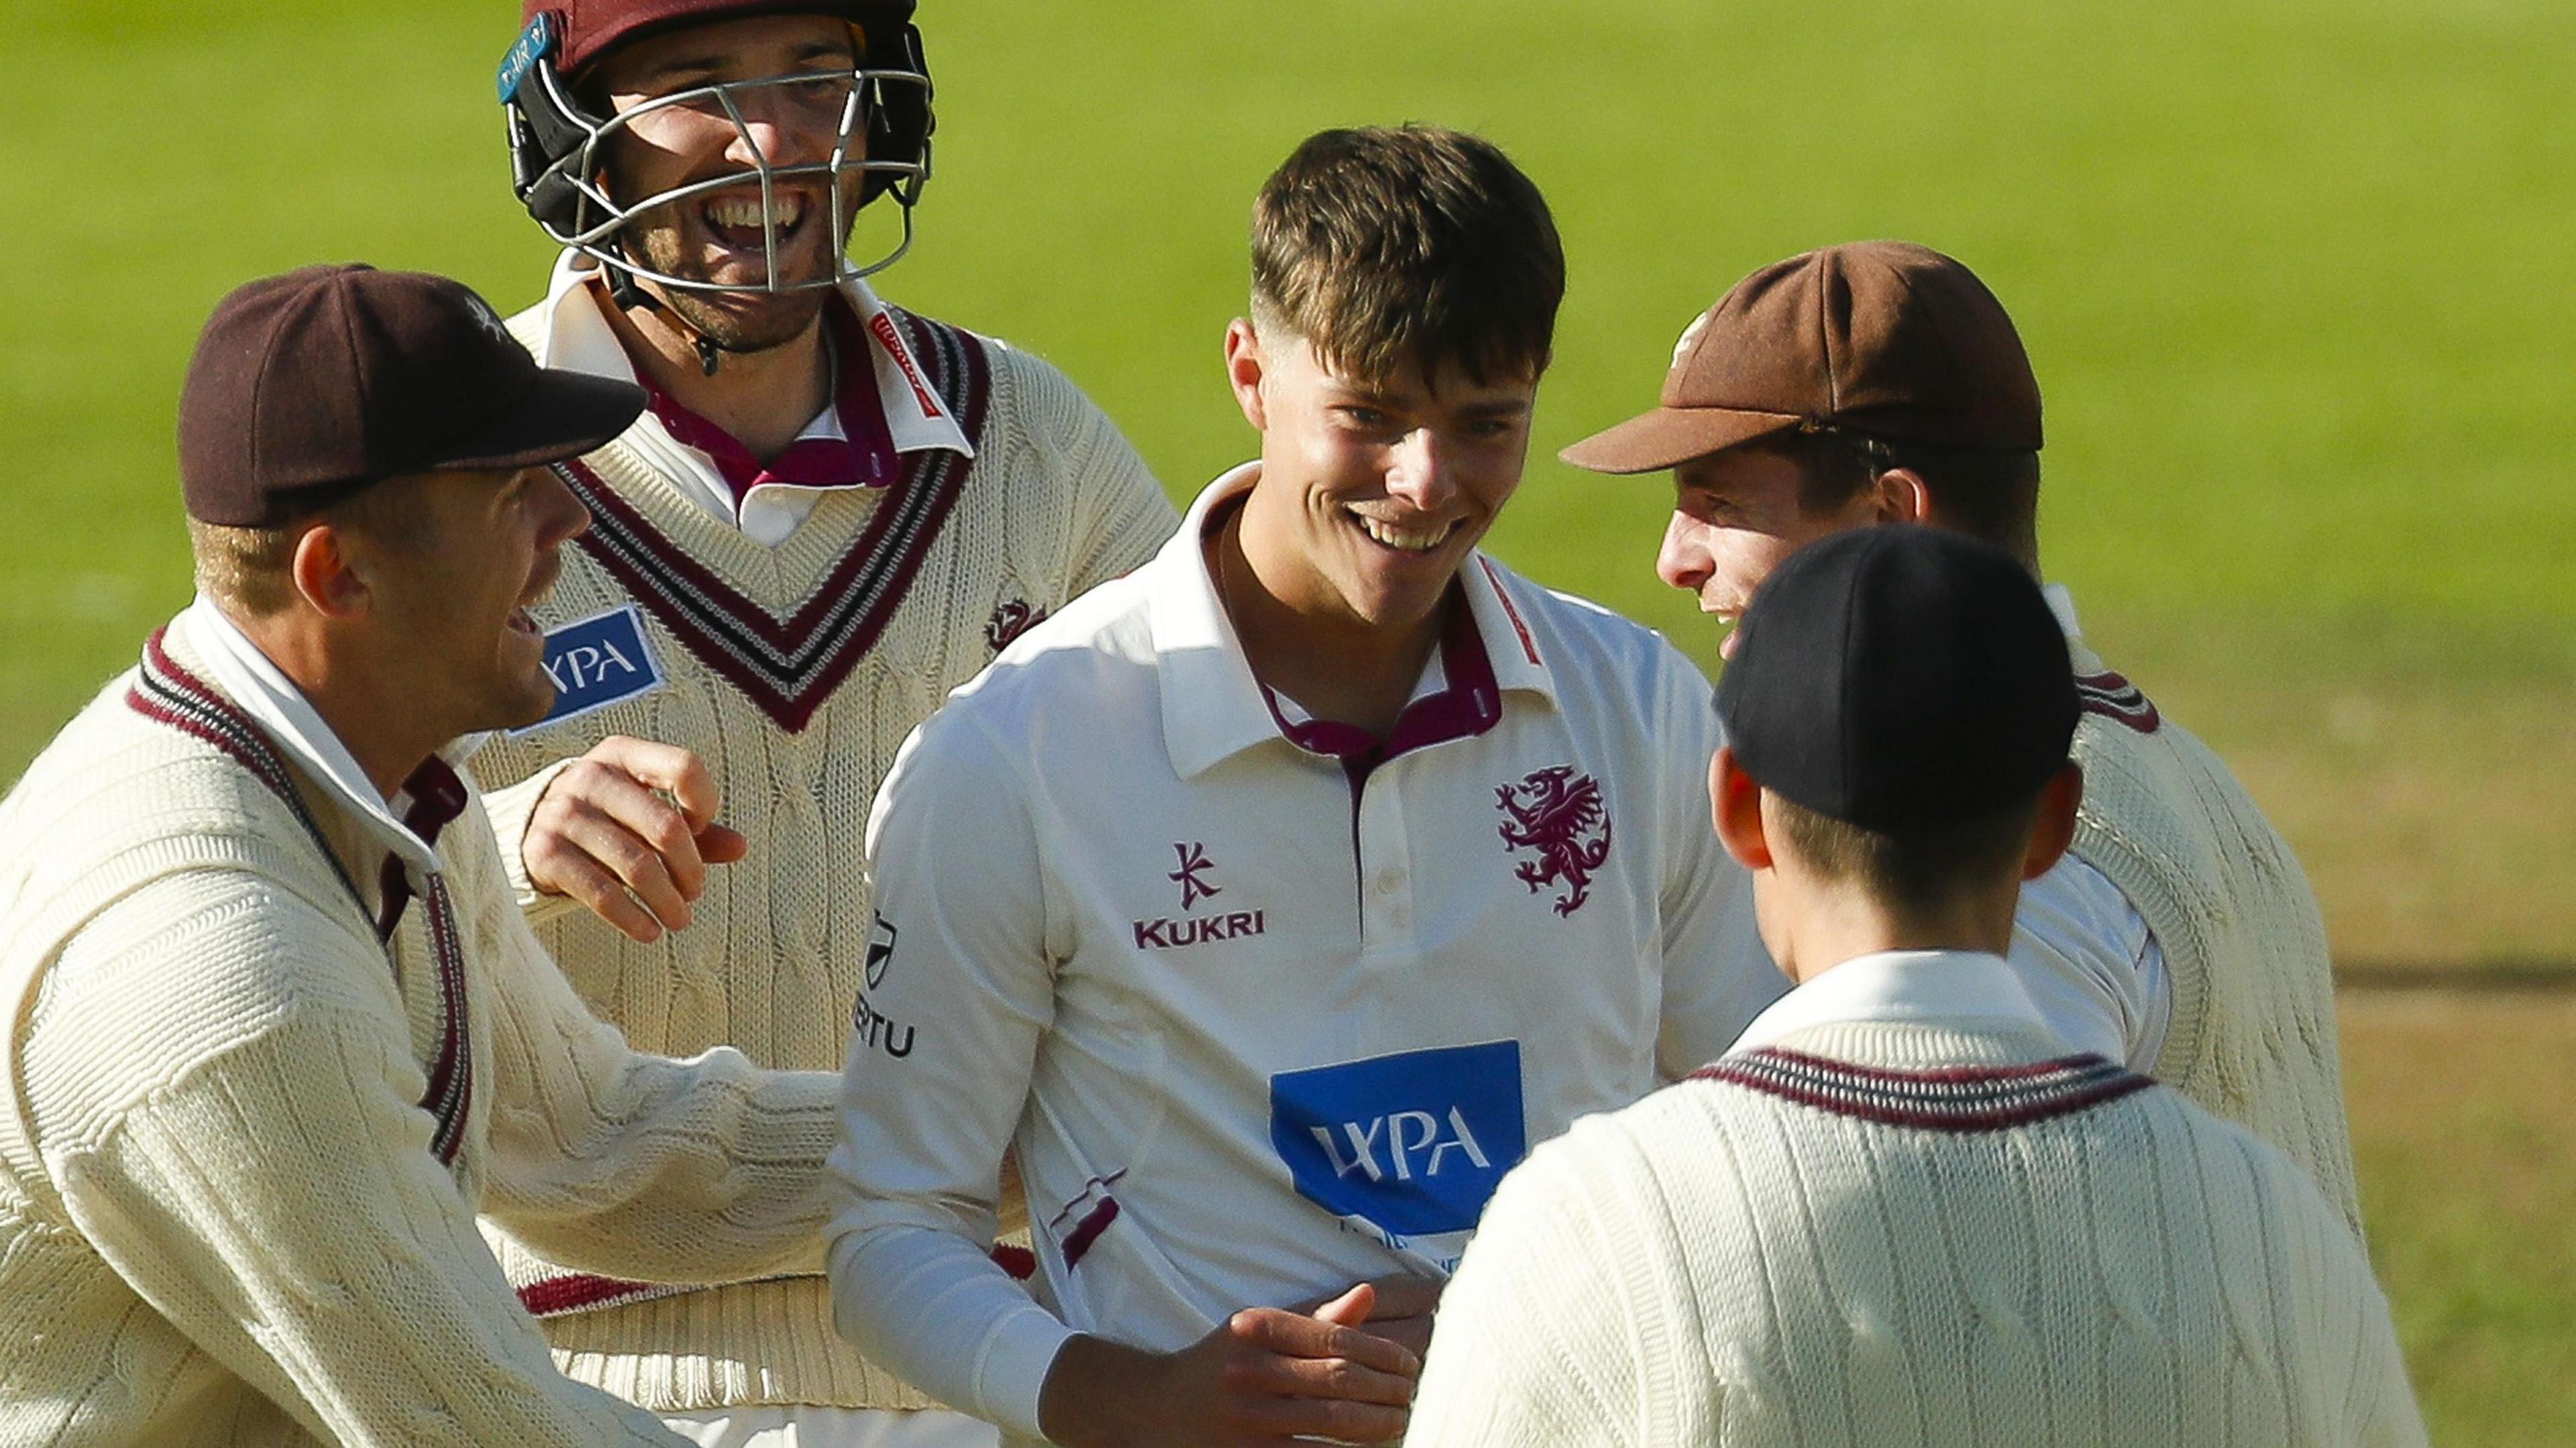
(771, 320)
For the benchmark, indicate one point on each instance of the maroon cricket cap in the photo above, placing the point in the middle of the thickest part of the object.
(585, 29)
(1879, 337)
(307, 388)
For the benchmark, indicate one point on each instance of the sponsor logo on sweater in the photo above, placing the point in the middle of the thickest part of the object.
(1169, 933)
(1411, 1144)
(595, 662)
(1012, 618)
(1558, 815)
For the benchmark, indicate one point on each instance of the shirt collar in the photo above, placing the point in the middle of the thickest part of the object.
(574, 334)
(1213, 707)
(1916, 987)
(291, 722)
(2062, 604)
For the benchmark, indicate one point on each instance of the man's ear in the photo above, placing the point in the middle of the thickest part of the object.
(1902, 497)
(328, 580)
(1244, 368)
(2054, 830)
(1736, 802)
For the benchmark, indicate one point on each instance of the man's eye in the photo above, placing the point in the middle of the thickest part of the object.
(1368, 417)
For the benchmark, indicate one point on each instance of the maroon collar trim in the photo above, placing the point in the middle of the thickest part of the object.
(864, 456)
(1955, 1099)
(1468, 705)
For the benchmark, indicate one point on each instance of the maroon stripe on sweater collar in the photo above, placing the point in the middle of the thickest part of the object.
(1963, 1098)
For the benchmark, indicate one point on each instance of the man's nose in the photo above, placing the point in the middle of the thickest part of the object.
(1684, 560)
(561, 516)
(781, 125)
(1421, 473)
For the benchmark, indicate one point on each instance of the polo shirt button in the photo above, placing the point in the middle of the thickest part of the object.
(1389, 881)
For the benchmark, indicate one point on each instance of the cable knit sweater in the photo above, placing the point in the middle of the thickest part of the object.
(2253, 1028)
(795, 672)
(1927, 1233)
(242, 1142)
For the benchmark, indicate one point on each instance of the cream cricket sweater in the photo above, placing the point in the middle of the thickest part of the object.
(796, 671)
(1931, 1231)
(2252, 1034)
(242, 1142)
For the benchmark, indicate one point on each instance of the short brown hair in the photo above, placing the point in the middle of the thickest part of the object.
(247, 569)
(1404, 246)
(1917, 869)
(1991, 496)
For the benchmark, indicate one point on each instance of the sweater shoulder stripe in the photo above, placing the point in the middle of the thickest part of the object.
(789, 664)
(166, 693)
(2111, 696)
(1947, 1098)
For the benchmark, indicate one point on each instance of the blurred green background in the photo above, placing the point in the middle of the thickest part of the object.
(2294, 274)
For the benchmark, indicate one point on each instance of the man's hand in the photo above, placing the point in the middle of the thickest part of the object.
(1267, 1376)
(605, 834)
(1402, 1311)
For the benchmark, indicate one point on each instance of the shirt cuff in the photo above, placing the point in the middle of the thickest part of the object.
(1013, 1373)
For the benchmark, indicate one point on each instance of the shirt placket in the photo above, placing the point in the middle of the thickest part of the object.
(1384, 839)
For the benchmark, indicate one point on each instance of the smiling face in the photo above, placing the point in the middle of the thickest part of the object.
(717, 236)
(1371, 492)
(449, 592)
(1736, 515)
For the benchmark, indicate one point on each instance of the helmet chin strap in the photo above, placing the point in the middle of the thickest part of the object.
(630, 296)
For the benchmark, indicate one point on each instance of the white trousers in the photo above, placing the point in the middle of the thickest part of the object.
(792, 1427)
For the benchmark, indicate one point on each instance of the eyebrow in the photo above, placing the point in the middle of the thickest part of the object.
(701, 65)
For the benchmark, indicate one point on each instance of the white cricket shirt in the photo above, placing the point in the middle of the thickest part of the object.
(1261, 1021)
(2083, 952)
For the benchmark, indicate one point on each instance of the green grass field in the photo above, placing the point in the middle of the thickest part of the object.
(2294, 273)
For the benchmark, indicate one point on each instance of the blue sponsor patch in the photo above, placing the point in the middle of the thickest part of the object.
(1412, 1143)
(533, 44)
(597, 662)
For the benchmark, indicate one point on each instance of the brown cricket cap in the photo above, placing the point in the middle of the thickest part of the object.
(1879, 337)
(309, 387)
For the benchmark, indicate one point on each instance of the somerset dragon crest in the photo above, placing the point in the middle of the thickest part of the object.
(1561, 817)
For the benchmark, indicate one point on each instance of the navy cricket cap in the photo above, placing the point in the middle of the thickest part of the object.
(1899, 676)
(310, 387)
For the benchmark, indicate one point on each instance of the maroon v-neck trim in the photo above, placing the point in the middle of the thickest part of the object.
(789, 664)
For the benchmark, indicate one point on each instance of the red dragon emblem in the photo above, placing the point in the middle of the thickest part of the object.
(1562, 818)
(1009, 621)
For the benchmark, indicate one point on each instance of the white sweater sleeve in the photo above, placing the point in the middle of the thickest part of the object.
(254, 1167)
(960, 991)
(632, 1165)
(1717, 975)
(1120, 515)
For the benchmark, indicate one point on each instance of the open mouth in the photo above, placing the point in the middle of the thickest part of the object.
(734, 219)
(523, 622)
(1416, 538)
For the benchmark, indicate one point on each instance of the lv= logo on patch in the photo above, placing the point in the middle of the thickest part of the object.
(1412, 1144)
(1559, 815)
(595, 662)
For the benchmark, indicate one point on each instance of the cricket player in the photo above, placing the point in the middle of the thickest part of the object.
(1271, 900)
(1903, 1209)
(1881, 382)
(275, 1026)
(832, 512)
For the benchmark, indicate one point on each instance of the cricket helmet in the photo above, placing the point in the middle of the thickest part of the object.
(559, 135)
